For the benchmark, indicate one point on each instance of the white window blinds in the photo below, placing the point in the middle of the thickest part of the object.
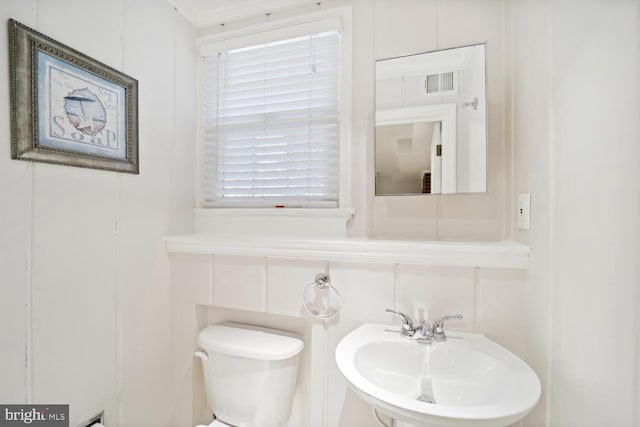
(270, 124)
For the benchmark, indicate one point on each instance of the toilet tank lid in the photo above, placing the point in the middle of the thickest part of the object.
(253, 342)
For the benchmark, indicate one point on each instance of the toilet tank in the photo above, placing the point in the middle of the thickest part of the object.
(250, 373)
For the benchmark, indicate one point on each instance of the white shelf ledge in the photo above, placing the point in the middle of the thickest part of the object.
(273, 221)
(462, 254)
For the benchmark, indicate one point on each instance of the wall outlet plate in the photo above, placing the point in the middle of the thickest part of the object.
(524, 211)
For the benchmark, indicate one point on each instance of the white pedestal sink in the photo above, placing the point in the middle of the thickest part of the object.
(468, 380)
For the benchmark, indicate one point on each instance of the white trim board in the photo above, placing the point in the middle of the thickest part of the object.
(461, 254)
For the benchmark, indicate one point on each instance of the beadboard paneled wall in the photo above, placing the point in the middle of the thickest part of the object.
(265, 290)
(84, 276)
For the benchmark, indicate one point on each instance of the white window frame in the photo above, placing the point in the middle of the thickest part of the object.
(279, 30)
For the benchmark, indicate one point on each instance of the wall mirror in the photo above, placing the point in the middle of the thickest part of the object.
(431, 123)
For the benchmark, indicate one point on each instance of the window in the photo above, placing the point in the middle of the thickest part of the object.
(270, 120)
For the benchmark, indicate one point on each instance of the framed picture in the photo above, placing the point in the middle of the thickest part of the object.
(69, 109)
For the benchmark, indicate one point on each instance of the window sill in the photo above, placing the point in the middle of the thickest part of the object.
(273, 221)
(461, 254)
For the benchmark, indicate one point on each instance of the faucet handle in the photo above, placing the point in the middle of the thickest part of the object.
(407, 329)
(438, 326)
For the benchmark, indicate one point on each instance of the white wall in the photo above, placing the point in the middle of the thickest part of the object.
(532, 168)
(575, 133)
(416, 26)
(84, 301)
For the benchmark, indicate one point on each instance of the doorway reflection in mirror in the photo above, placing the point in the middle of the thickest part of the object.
(408, 158)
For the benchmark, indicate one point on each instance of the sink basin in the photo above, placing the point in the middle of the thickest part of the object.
(467, 380)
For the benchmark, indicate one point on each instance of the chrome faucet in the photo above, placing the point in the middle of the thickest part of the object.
(438, 326)
(407, 329)
(428, 333)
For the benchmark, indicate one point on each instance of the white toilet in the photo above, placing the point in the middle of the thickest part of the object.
(250, 374)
